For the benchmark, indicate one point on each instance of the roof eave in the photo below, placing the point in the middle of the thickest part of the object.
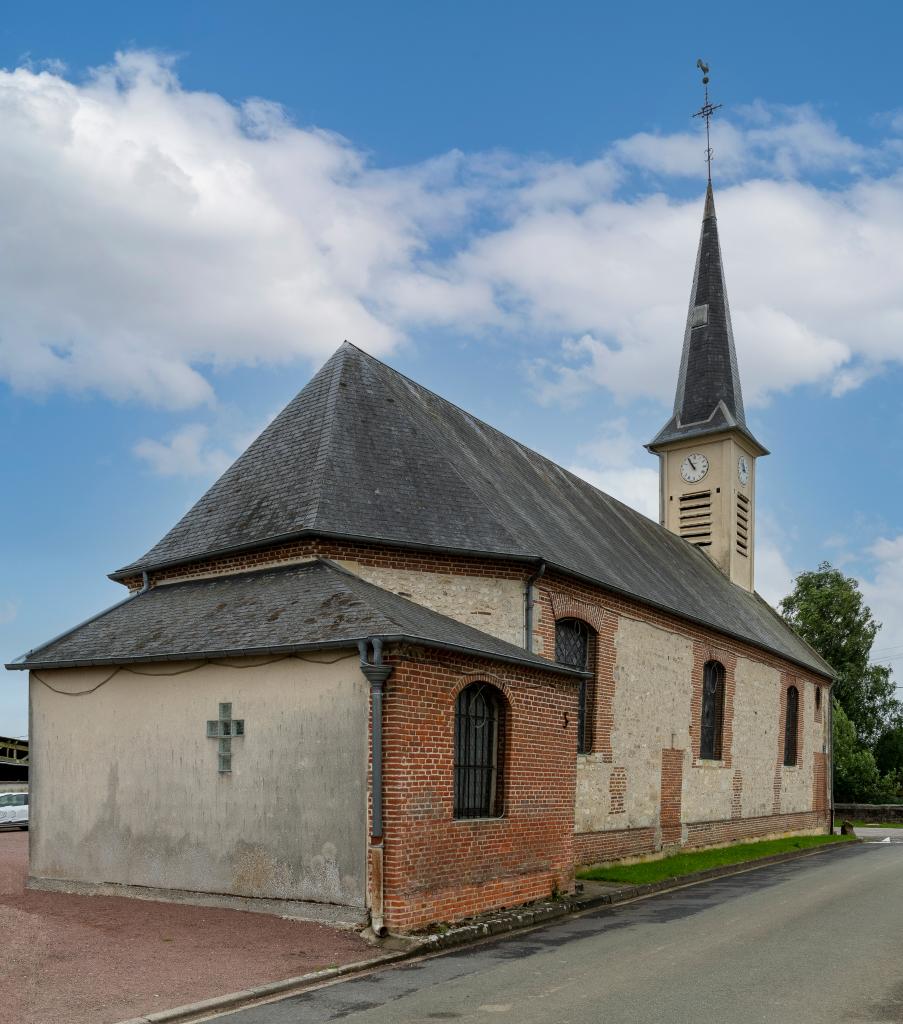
(349, 643)
(662, 442)
(527, 560)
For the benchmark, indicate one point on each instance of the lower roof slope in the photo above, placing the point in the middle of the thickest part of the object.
(292, 608)
(363, 452)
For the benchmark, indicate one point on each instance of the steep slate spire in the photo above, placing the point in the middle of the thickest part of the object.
(709, 397)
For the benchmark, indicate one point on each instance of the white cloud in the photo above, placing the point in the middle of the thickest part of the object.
(187, 452)
(774, 577)
(8, 612)
(883, 592)
(785, 141)
(155, 233)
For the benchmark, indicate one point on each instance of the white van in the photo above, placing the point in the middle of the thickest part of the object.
(14, 810)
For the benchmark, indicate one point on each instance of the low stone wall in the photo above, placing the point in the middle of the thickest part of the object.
(877, 813)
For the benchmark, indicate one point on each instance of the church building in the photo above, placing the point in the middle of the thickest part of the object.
(395, 666)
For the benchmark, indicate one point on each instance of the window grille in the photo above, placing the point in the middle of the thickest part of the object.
(791, 718)
(479, 733)
(712, 711)
(572, 648)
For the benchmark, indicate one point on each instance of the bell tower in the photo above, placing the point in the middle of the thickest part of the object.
(707, 454)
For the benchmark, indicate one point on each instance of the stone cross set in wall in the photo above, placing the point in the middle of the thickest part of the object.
(223, 729)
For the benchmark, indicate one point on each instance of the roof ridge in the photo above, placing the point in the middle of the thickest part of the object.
(328, 433)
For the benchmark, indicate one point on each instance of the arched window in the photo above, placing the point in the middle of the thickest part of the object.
(791, 717)
(572, 648)
(479, 738)
(817, 699)
(712, 724)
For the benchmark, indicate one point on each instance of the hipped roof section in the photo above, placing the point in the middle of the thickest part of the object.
(309, 606)
(363, 452)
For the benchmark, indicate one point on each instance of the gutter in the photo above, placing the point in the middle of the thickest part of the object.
(22, 661)
(255, 652)
(517, 559)
(376, 674)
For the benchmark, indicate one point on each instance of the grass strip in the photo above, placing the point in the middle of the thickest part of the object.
(703, 860)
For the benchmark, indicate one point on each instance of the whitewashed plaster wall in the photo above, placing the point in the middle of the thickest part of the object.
(125, 786)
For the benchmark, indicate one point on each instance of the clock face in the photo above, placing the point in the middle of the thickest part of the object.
(743, 470)
(694, 468)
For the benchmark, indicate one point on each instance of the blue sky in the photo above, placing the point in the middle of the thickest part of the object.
(202, 200)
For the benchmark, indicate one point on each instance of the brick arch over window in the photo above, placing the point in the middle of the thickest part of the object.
(566, 607)
(482, 718)
(575, 645)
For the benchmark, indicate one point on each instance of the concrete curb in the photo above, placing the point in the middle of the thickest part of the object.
(523, 918)
(259, 993)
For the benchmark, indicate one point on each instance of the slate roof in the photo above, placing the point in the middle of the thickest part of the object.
(365, 453)
(708, 397)
(313, 605)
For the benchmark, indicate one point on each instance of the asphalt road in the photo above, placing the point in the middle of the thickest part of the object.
(813, 940)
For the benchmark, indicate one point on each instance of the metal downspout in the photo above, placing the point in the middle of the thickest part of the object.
(376, 674)
(829, 774)
(529, 602)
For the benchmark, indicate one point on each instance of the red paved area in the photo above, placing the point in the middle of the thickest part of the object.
(100, 959)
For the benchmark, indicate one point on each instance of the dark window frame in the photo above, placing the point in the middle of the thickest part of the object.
(791, 726)
(479, 752)
(711, 719)
(574, 647)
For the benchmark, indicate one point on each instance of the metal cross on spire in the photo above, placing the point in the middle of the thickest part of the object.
(706, 111)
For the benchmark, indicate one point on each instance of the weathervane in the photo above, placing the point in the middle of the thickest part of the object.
(706, 111)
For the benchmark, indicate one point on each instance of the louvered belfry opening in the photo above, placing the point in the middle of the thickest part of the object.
(791, 722)
(479, 738)
(743, 524)
(696, 518)
(712, 725)
(572, 647)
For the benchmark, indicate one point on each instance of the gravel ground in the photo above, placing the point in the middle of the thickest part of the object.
(100, 959)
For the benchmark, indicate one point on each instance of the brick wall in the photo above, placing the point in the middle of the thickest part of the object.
(437, 868)
(379, 555)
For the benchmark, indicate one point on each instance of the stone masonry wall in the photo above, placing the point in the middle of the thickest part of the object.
(646, 707)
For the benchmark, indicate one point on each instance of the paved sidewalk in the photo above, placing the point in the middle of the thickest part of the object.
(100, 959)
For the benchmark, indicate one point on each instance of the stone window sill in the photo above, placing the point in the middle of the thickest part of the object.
(703, 762)
(479, 821)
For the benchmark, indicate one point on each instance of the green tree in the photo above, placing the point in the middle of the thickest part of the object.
(827, 610)
(889, 750)
(856, 775)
